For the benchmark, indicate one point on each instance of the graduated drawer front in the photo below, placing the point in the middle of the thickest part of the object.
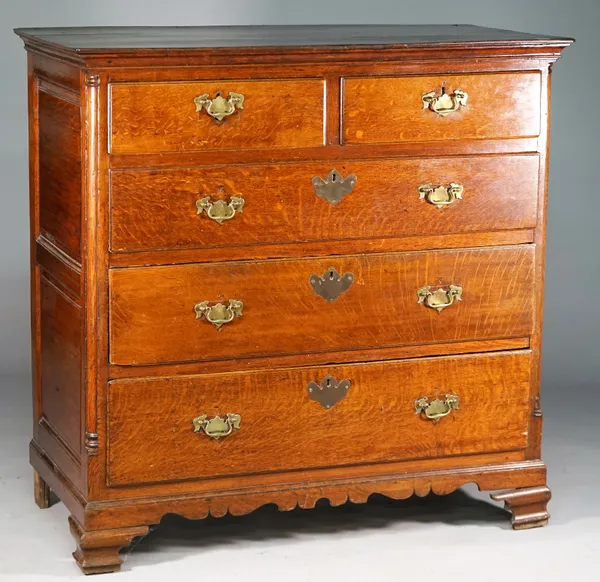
(151, 434)
(153, 319)
(391, 109)
(157, 209)
(162, 117)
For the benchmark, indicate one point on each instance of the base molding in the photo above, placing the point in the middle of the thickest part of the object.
(104, 527)
(528, 506)
(289, 495)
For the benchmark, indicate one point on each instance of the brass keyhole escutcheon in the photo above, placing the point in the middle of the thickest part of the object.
(334, 187)
(331, 285)
(328, 391)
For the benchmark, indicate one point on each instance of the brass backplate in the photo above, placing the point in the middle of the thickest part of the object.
(436, 408)
(334, 187)
(329, 391)
(331, 285)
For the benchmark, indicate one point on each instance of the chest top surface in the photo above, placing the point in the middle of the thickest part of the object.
(90, 40)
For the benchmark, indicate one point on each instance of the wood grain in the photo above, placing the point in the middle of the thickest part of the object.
(61, 365)
(303, 100)
(305, 494)
(152, 439)
(41, 491)
(378, 110)
(98, 551)
(419, 242)
(528, 506)
(152, 315)
(59, 267)
(87, 39)
(161, 117)
(156, 209)
(314, 359)
(60, 173)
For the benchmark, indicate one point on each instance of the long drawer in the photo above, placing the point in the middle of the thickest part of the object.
(441, 107)
(265, 204)
(216, 115)
(249, 308)
(327, 416)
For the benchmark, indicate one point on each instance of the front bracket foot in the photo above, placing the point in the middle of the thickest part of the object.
(98, 551)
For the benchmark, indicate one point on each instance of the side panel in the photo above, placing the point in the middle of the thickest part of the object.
(60, 171)
(56, 170)
(61, 366)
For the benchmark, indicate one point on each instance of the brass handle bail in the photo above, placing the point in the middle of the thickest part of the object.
(217, 427)
(437, 408)
(219, 210)
(440, 196)
(219, 314)
(440, 298)
(219, 107)
(444, 103)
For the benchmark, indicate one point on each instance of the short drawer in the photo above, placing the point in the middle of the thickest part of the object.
(441, 107)
(216, 115)
(248, 308)
(306, 418)
(239, 205)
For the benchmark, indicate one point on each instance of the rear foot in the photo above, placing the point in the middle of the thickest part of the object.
(528, 506)
(41, 491)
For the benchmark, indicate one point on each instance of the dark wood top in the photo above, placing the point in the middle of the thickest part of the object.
(91, 40)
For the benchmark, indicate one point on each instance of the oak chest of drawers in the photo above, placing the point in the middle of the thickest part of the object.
(273, 265)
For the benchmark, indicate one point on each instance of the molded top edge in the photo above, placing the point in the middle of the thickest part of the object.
(98, 40)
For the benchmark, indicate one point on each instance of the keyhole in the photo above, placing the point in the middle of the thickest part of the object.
(328, 383)
(443, 90)
(333, 177)
(331, 275)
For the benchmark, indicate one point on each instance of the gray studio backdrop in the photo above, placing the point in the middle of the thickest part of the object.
(572, 315)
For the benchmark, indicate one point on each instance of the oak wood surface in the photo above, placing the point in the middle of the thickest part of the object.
(60, 172)
(528, 506)
(61, 397)
(151, 435)
(535, 423)
(152, 316)
(329, 248)
(59, 268)
(317, 358)
(387, 109)
(137, 37)
(162, 117)
(156, 209)
(70, 162)
(98, 551)
(41, 491)
(238, 500)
